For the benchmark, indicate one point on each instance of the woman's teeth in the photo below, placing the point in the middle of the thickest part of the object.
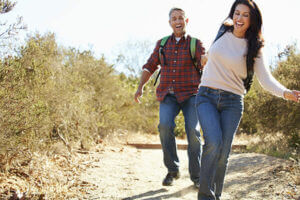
(239, 24)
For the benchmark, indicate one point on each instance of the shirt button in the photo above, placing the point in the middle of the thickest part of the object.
(174, 70)
(174, 61)
(173, 80)
(175, 51)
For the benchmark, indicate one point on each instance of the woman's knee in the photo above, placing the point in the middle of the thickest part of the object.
(213, 145)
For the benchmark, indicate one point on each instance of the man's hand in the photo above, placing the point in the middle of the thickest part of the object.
(138, 94)
(203, 59)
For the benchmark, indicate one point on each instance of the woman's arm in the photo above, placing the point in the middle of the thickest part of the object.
(269, 83)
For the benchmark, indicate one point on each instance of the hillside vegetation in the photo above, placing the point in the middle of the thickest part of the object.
(49, 92)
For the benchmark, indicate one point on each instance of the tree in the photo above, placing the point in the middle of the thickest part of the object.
(132, 55)
(8, 31)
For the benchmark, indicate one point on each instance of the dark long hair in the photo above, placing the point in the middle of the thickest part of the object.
(253, 35)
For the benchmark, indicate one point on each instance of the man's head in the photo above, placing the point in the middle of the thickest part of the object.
(178, 21)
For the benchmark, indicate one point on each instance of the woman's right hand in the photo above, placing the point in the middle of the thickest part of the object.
(292, 95)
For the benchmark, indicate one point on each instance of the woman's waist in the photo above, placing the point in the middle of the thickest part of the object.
(215, 90)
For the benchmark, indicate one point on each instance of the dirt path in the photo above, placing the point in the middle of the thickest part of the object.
(128, 173)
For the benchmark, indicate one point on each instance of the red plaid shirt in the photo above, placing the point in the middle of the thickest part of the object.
(178, 72)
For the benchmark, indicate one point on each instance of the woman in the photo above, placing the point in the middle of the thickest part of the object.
(219, 101)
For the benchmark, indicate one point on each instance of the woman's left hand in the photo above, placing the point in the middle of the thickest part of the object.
(293, 95)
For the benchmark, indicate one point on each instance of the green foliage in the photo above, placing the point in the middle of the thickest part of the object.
(6, 6)
(9, 30)
(265, 113)
(49, 92)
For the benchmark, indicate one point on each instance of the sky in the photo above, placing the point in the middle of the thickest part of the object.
(106, 25)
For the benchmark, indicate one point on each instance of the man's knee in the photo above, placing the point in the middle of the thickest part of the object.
(165, 128)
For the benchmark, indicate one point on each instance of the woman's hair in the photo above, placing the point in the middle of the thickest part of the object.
(253, 34)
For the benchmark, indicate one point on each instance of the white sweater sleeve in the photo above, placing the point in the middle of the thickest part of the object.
(266, 79)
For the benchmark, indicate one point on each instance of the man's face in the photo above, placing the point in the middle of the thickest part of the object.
(178, 23)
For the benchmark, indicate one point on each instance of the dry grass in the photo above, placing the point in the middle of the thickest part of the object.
(55, 174)
(270, 144)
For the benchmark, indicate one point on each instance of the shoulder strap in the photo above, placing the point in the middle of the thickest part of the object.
(193, 44)
(221, 32)
(193, 50)
(161, 55)
(193, 47)
(164, 41)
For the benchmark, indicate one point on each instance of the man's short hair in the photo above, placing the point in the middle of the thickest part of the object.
(175, 9)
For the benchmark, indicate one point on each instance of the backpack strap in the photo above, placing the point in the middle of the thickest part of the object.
(221, 32)
(161, 56)
(193, 50)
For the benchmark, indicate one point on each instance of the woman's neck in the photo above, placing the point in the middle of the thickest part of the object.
(238, 34)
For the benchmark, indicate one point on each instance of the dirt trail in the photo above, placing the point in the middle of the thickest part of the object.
(128, 173)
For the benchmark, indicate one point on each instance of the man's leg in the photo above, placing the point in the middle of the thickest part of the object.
(168, 110)
(192, 129)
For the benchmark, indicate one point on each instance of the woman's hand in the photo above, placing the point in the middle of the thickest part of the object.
(293, 95)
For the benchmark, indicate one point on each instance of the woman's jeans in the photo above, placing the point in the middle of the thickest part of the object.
(168, 110)
(219, 113)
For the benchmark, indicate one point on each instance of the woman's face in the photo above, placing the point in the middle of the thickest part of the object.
(241, 20)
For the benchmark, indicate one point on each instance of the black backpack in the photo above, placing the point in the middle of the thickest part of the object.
(249, 79)
(162, 56)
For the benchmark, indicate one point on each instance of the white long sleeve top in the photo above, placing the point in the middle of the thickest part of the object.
(226, 67)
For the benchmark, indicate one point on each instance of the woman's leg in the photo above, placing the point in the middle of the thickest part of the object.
(231, 106)
(210, 122)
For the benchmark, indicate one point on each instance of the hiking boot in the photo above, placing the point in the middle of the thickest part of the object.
(196, 184)
(168, 180)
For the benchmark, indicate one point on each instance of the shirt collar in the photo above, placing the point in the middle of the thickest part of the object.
(184, 37)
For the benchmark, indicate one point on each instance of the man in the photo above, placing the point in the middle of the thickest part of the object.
(177, 89)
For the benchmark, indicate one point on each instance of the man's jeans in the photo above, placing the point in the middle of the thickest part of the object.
(168, 110)
(219, 113)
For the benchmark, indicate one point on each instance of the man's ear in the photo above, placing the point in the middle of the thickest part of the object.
(187, 20)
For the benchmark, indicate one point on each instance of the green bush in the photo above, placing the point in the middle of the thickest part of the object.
(265, 113)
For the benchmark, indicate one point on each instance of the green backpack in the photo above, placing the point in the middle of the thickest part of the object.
(163, 58)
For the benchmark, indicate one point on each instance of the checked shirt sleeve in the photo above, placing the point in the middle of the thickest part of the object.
(153, 61)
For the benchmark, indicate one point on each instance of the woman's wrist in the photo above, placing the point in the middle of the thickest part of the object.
(291, 95)
(286, 94)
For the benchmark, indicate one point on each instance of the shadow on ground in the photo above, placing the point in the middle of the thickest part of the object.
(150, 195)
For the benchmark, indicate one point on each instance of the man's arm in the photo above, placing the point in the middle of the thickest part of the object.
(148, 69)
(144, 79)
(200, 55)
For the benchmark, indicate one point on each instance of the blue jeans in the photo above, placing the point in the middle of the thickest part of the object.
(169, 108)
(219, 113)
